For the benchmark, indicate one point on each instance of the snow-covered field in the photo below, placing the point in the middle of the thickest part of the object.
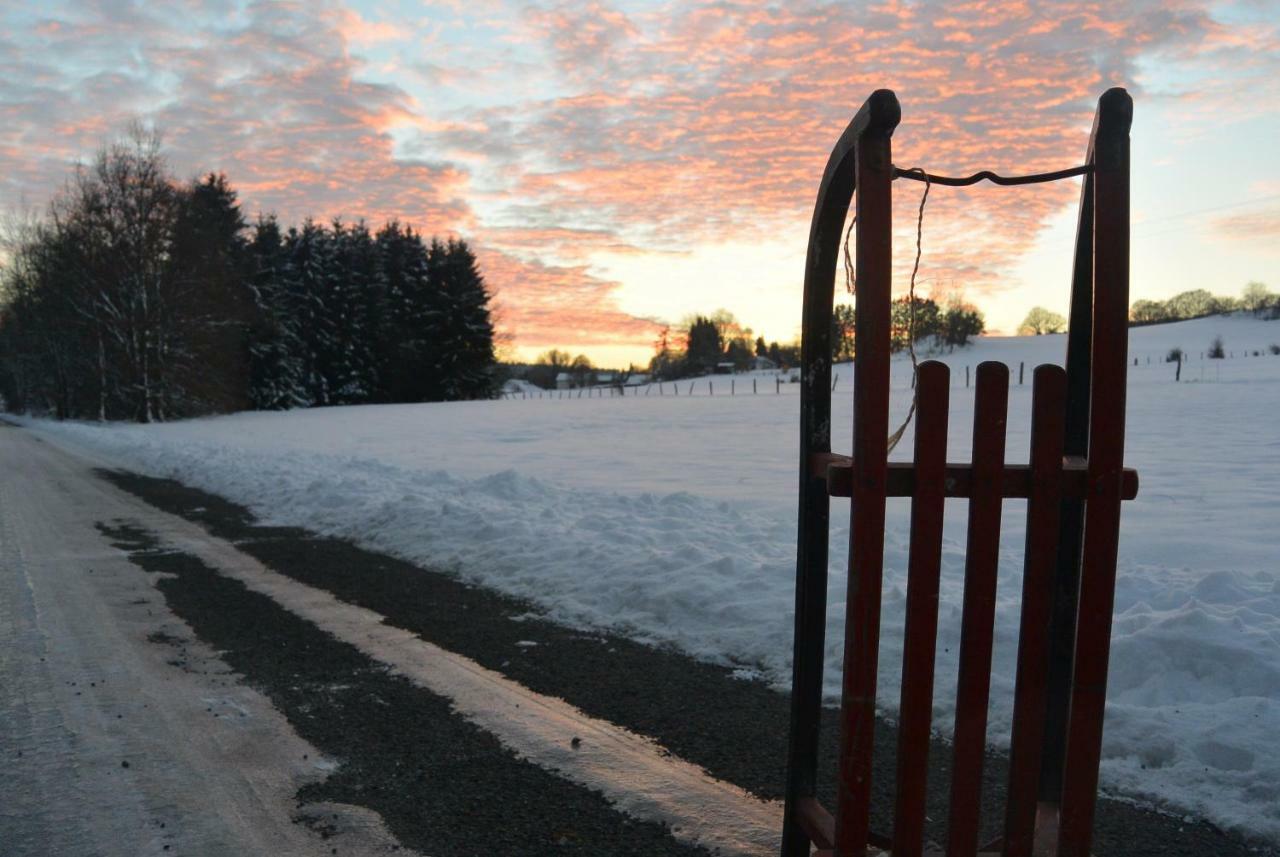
(674, 518)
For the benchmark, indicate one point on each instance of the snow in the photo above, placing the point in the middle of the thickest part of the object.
(519, 386)
(672, 518)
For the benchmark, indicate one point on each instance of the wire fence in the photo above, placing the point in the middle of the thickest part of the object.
(777, 385)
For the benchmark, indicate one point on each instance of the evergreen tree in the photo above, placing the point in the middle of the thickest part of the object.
(927, 321)
(277, 377)
(405, 347)
(960, 322)
(463, 342)
(353, 292)
(705, 345)
(307, 282)
(738, 352)
(211, 305)
(47, 344)
(139, 297)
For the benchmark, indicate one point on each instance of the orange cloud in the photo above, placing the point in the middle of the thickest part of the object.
(549, 306)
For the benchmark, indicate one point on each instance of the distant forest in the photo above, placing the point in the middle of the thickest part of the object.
(139, 297)
(1197, 303)
(702, 343)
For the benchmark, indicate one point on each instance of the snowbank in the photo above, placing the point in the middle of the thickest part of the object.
(672, 518)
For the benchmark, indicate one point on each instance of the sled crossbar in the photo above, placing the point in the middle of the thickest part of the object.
(1015, 481)
(1073, 484)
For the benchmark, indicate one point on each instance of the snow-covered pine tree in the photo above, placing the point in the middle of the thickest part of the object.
(277, 378)
(404, 346)
(354, 289)
(310, 270)
(463, 350)
(210, 304)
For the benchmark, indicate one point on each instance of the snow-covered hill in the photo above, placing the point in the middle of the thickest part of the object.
(673, 517)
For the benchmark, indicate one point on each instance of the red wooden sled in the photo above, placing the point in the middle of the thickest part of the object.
(1074, 485)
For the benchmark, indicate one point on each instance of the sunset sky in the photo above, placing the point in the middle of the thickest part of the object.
(621, 165)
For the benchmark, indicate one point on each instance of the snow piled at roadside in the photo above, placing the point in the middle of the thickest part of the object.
(570, 505)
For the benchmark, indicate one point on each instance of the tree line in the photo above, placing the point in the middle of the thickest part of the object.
(1197, 303)
(702, 343)
(144, 298)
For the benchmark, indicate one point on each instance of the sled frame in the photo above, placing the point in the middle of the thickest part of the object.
(1074, 485)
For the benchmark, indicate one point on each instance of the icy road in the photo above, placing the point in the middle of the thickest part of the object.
(108, 749)
(113, 746)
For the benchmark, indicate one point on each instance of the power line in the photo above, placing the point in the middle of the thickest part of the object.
(1224, 207)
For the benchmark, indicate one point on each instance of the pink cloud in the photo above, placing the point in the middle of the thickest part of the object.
(359, 30)
(546, 306)
(1252, 226)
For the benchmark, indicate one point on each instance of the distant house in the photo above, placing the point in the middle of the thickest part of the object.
(762, 362)
(639, 379)
(725, 367)
(564, 381)
(604, 377)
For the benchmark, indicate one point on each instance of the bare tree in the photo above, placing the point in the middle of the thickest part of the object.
(120, 212)
(1041, 320)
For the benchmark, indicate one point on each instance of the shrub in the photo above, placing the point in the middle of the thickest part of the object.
(1215, 350)
(1174, 356)
(1275, 349)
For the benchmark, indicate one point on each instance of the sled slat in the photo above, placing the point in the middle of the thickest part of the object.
(921, 631)
(1044, 508)
(978, 618)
